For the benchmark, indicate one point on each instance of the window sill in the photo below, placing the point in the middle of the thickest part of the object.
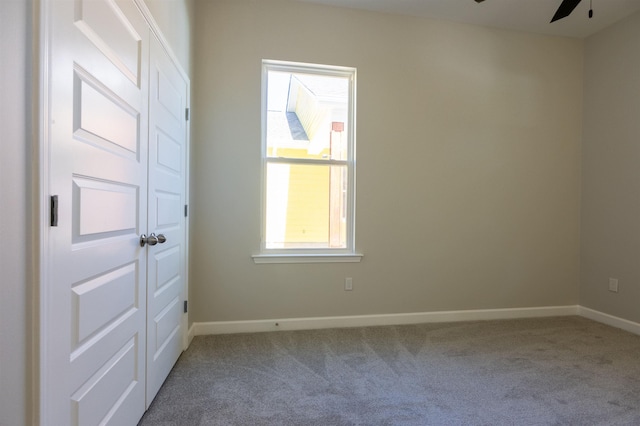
(307, 258)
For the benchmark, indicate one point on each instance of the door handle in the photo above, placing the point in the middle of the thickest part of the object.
(152, 239)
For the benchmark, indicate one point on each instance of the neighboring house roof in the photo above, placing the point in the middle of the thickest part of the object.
(325, 88)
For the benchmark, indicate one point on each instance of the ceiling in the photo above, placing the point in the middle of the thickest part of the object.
(521, 15)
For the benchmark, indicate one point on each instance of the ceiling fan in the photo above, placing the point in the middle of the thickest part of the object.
(565, 9)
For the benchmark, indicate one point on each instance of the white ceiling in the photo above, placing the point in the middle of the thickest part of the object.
(522, 15)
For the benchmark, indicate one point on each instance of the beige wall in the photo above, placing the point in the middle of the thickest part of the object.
(611, 171)
(15, 211)
(468, 164)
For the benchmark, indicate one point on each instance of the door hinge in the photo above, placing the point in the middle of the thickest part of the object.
(54, 210)
(186, 210)
(186, 114)
(186, 306)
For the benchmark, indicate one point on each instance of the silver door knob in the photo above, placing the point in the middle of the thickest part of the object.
(152, 239)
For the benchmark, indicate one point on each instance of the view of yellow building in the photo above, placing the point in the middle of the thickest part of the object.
(305, 202)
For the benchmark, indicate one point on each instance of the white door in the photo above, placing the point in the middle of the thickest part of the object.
(94, 303)
(168, 97)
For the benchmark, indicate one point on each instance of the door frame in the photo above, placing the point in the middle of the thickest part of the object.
(41, 263)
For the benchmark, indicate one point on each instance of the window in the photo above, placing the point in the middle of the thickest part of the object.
(308, 162)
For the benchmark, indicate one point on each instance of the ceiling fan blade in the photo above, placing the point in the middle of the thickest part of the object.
(565, 9)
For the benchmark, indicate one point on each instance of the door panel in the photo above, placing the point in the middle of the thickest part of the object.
(169, 152)
(168, 95)
(104, 207)
(166, 324)
(93, 362)
(101, 301)
(109, 388)
(169, 210)
(97, 108)
(116, 31)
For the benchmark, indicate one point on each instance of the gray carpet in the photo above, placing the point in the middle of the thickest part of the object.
(546, 371)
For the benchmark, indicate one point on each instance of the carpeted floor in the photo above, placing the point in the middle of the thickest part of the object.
(545, 371)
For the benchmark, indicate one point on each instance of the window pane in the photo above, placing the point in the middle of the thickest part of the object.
(307, 115)
(306, 206)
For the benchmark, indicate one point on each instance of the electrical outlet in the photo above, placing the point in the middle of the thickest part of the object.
(348, 284)
(613, 285)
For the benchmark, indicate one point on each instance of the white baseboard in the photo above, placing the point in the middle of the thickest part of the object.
(630, 326)
(191, 334)
(228, 327)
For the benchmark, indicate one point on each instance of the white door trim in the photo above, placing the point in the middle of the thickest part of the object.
(41, 292)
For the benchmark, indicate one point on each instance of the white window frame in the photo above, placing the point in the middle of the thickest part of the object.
(310, 255)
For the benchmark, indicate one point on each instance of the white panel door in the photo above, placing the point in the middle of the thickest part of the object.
(94, 304)
(168, 97)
